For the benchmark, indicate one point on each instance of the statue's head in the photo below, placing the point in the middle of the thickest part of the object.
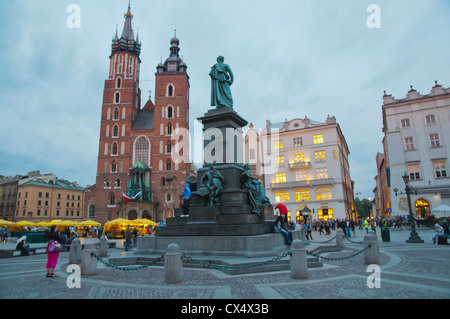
(247, 166)
(220, 58)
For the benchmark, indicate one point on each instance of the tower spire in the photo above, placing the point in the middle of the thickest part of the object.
(127, 42)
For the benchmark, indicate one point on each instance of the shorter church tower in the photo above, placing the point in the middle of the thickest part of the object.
(170, 160)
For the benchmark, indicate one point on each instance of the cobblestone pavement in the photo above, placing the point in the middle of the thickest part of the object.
(418, 271)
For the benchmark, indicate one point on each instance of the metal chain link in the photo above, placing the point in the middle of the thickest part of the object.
(341, 258)
(218, 266)
(322, 242)
(355, 242)
(108, 264)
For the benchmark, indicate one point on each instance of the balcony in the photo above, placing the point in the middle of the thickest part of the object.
(305, 164)
(308, 183)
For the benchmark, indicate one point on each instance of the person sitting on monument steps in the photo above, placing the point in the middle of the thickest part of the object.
(186, 198)
(256, 192)
(280, 225)
(210, 185)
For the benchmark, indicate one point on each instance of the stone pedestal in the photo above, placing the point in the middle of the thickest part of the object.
(232, 214)
(222, 136)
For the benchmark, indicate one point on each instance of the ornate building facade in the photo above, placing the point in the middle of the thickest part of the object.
(416, 142)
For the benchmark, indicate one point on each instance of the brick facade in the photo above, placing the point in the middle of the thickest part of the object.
(129, 132)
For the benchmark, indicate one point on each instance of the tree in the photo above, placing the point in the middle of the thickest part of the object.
(363, 207)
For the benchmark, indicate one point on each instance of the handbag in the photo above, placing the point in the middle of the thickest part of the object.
(54, 246)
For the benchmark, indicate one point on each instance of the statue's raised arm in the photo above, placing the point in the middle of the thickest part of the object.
(221, 80)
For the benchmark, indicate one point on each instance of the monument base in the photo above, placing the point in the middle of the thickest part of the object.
(266, 245)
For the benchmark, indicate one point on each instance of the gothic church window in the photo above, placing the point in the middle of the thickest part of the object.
(169, 112)
(116, 113)
(115, 131)
(170, 90)
(142, 150)
(114, 149)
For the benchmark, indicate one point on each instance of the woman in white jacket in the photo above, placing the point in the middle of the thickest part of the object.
(439, 232)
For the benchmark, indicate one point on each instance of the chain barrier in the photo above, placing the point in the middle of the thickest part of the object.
(108, 264)
(224, 267)
(354, 242)
(322, 242)
(340, 258)
(219, 266)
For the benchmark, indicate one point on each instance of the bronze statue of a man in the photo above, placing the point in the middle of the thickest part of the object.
(221, 80)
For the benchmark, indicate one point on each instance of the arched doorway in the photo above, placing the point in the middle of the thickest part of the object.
(132, 214)
(422, 207)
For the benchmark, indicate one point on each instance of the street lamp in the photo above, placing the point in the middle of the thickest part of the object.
(414, 236)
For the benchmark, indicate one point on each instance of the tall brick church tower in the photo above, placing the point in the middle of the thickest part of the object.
(137, 145)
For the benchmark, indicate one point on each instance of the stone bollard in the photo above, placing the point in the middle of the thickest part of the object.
(340, 238)
(75, 252)
(103, 250)
(88, 262)
(299, 262)
(173, 266)
(372, 254)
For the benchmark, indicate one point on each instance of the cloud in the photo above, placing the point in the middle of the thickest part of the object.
(290, 58)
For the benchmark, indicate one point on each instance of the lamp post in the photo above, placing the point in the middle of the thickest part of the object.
(414, 236)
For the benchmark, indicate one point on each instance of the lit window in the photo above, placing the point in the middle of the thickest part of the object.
(279, 160)
(320, 156)
(281, 196)
(323, 193)
(321, 173)
(405, 123)
(409, 143)
(434, 140)
(439, 169)
(299, 157)
(318, 139)
(414, 172)
(280, 177)
(302, 195)
(430, 119)
(278, 144)
(325, 213)
(298, 141)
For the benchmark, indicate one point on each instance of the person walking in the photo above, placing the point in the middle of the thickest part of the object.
(52, 257)
(128, 236)
(348, 226)
(366, 225)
